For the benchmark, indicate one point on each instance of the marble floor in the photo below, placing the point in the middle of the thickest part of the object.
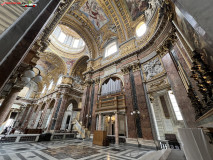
(70, 150)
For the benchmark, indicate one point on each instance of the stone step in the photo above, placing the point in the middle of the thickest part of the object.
(157, 155)
(150, 144)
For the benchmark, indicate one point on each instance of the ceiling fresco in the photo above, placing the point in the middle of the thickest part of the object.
(137, 7)
(45, 66)
(94, 13)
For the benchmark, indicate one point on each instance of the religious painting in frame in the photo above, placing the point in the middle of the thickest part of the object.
(94, 13)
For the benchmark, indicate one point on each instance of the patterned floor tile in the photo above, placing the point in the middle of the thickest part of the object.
(69, 150)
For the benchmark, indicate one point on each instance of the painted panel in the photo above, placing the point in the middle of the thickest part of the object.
(94, 13)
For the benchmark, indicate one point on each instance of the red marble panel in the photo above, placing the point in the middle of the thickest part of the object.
(144, 116)
(93, 125)
(129, 104)
(179, 91)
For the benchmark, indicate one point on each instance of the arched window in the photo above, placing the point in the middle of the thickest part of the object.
(45, 86)
(75, 43)
(111, 85)
(141, 29)
(175, 106)
(62, 37)
(59, 80)
(50, 86)
(111, 49)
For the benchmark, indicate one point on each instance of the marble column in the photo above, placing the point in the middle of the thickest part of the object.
(27, 122)
(93, 125)
(110, 126)
(116, 129)
(7, 104)
(21, 122)
(99, 124)
(85, 101)
(44, 113)
(36, 115)
(54, 112)
(61, 112)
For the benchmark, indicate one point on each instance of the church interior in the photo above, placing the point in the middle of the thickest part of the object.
(106, 80)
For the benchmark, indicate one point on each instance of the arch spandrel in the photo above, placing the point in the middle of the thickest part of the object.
(51, 66)
(79, 66)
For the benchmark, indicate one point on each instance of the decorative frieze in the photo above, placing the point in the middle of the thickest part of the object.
(158, 84)
(134, 67)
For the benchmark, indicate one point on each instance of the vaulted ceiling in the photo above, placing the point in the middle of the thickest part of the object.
(97, 22)
(100, 21)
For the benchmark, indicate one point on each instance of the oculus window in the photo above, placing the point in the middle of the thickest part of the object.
(141, 29)
(111, 49)
(175, 106)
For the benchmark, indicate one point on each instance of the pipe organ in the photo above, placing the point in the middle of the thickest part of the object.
(112, 86)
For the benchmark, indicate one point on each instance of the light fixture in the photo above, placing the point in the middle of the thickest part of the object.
(30, 75)
(25, 79)
(38, 78)
(88, 116)
(135, 112)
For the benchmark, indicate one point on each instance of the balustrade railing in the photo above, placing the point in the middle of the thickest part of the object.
(165, 144)
(33, 137)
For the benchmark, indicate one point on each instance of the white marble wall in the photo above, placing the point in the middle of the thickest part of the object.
(165, 125)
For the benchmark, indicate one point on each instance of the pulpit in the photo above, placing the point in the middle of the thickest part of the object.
(100, 138)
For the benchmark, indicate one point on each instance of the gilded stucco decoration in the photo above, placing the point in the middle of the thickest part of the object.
(158, 84)
(78, 68)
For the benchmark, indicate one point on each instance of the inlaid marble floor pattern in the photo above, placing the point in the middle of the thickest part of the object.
(69, 150)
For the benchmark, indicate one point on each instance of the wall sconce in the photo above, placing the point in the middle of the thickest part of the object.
(88, 116)
(135, 112)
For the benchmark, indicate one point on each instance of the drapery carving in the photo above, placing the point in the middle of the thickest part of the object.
(152, 68)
